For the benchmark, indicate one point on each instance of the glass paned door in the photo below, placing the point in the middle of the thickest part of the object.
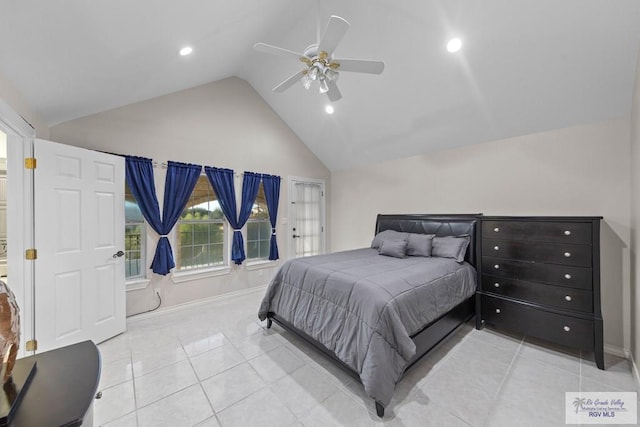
(307, 214)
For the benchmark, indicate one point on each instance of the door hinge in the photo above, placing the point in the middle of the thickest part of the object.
(30, 163)
(31, 254)
(32, 345)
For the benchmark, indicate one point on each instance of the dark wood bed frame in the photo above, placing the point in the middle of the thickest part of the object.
(436, 331)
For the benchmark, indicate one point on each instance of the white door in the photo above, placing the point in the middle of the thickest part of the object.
(79, 236)
(306, 215)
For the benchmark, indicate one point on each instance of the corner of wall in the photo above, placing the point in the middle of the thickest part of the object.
(15, 99)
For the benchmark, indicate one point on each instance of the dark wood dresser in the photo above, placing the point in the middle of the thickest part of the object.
(540, 276)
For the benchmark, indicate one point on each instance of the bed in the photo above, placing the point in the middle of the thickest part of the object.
(376, 315)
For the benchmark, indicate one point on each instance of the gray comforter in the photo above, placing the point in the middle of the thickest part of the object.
(364, 307)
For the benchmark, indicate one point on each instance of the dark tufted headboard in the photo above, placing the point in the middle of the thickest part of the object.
(440, 225)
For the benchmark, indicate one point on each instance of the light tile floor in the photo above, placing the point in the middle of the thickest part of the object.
(215, 364)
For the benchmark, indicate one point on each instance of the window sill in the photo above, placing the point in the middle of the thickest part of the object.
(260, 264)
(136, 284)
(188, 275)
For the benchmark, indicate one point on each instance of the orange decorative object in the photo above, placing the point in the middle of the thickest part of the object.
(9, 330)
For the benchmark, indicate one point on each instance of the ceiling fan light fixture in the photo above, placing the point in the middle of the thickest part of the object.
(313, 73)
(306, 81)
(331, 75)
(324, 87)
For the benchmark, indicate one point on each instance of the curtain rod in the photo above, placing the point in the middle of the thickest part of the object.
(165, 165)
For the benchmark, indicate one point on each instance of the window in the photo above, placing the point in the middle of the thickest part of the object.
(259, 228)
(201, 230)
(135, 232)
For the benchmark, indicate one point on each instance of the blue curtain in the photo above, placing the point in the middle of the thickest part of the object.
(271, 186)
(250, 187)
(222, 182)
(179, 183)
(139, 176)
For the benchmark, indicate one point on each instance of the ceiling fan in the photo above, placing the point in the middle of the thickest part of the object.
(322, 67)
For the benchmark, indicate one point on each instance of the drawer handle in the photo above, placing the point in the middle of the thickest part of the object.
(567, 276)
(566, 329)
(567, 232)
(568, 297)
(497, 285)
(497, 310)
(567, 254)
(497, 266)
(496, 248)
(496, 229)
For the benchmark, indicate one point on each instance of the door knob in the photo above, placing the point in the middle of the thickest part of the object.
(295, 236)
(118, 254)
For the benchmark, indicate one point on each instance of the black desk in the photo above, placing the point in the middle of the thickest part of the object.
(63, 388)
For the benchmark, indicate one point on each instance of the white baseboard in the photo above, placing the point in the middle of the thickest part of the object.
(616, 351)
(634, 370)
(623, 352)
(203, 301)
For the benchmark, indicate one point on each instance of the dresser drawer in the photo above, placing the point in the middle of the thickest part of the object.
(571, 277)
(540, 231)
(520, 318)
(555, 296)
(556, 253)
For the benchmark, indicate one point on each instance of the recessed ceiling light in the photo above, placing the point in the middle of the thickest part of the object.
(186, 50)
(454, 45)
(329, 109)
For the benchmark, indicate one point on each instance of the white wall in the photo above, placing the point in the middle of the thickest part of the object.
(635, 218)
(581, 170)
(222, 124)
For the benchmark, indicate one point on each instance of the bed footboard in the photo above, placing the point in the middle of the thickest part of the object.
(425, 340)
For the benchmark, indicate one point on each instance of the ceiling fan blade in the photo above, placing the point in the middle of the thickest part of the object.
(359, 66)
(335, 31)
(275, 50)
(333, 93)
(289, 82)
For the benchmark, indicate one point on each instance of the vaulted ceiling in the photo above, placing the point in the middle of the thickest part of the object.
(525, 66)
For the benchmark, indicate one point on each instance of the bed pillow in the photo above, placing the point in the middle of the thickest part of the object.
(450, 247)
(394, 248)
(387, 235)
(419, 244)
